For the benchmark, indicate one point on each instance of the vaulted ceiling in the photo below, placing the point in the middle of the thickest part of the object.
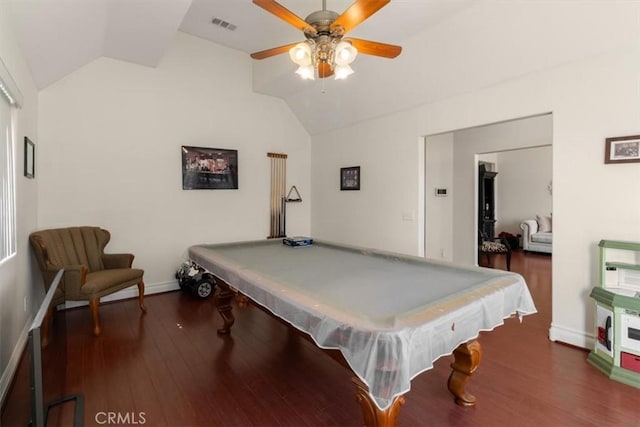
(59, 36)
(449, 46)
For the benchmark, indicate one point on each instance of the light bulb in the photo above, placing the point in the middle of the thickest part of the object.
(300, 54)
(306, 72)
(345, 53)
(342, 71)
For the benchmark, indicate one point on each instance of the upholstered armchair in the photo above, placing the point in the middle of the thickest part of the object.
(89, 273)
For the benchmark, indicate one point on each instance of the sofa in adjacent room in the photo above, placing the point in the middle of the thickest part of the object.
(537, 234)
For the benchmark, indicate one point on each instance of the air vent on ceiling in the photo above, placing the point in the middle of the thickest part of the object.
(223, 24)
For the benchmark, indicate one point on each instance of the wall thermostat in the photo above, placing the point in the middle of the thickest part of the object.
(441, 192)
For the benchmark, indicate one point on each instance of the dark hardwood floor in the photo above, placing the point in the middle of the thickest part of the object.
(170, 368)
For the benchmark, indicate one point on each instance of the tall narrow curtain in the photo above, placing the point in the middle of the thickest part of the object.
(277, 200)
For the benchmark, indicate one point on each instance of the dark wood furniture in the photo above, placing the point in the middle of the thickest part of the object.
(486, 202)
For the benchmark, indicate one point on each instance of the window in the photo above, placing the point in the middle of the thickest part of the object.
(7, 185)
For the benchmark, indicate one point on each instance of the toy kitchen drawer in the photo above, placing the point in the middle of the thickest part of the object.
(630, 361)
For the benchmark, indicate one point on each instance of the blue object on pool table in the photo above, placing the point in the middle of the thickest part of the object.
(297, 241)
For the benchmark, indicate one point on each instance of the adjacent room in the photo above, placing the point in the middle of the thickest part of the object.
(456, 184)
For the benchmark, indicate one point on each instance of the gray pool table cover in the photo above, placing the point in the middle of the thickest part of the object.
(392, 316)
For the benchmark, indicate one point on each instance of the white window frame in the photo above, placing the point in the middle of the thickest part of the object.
(10, 100)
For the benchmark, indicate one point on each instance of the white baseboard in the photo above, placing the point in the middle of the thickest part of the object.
(571, 336)
(132, 292)
(12, 366)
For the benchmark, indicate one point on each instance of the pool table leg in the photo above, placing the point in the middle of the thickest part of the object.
(467, 359)
(223, 304)
(373, 416)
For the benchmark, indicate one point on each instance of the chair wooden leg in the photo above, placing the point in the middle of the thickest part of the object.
(508, 261)
(94, 304)
(141, 297)
(489, 260)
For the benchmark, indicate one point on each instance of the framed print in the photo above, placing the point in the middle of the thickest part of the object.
(622, 149)
(350, 178)
(206, 168)
(29, 158)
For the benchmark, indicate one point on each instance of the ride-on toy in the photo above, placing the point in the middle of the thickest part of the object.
(196, 280)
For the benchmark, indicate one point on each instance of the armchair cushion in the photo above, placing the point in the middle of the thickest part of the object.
(497, 247)
(490, 247)
(100, 283)
(544, 223)
(542, 237)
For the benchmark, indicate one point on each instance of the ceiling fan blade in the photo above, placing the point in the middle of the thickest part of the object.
(357, 13)
(273, 51)
(324, 70)
(369, 47)
(285, 14)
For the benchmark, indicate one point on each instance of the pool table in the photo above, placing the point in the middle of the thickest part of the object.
(389, 315)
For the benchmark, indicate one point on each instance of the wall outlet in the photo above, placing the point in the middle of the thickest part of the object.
(409, 216)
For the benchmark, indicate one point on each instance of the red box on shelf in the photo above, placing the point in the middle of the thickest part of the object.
(630, 361)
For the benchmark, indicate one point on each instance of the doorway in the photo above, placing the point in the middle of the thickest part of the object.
(451, 161)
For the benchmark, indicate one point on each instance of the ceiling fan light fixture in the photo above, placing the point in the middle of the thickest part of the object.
(306, 72)
(342, 72)
(325, 52)
(300, 54)
(345, 53)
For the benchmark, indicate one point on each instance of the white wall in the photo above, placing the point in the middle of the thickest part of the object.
(439, 209)
(523, 190)
(591, 99)
(110, 138)
(17, 285)
(385, 212)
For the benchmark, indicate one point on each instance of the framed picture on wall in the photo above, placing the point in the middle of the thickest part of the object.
(350, 178)
(622, 149)
(29, 158)
(206, 168)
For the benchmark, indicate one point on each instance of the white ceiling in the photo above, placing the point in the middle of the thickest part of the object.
(59, 36)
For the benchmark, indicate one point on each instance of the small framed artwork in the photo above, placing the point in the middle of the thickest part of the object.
(622, 149)
(29, 158)
(206, 168)
(350, 178)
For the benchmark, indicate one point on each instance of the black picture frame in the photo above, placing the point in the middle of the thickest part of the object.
(205, 168)
(29, 158)
(622, 149)
(350, 178)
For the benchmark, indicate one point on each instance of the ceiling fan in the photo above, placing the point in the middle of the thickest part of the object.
(325, 49)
